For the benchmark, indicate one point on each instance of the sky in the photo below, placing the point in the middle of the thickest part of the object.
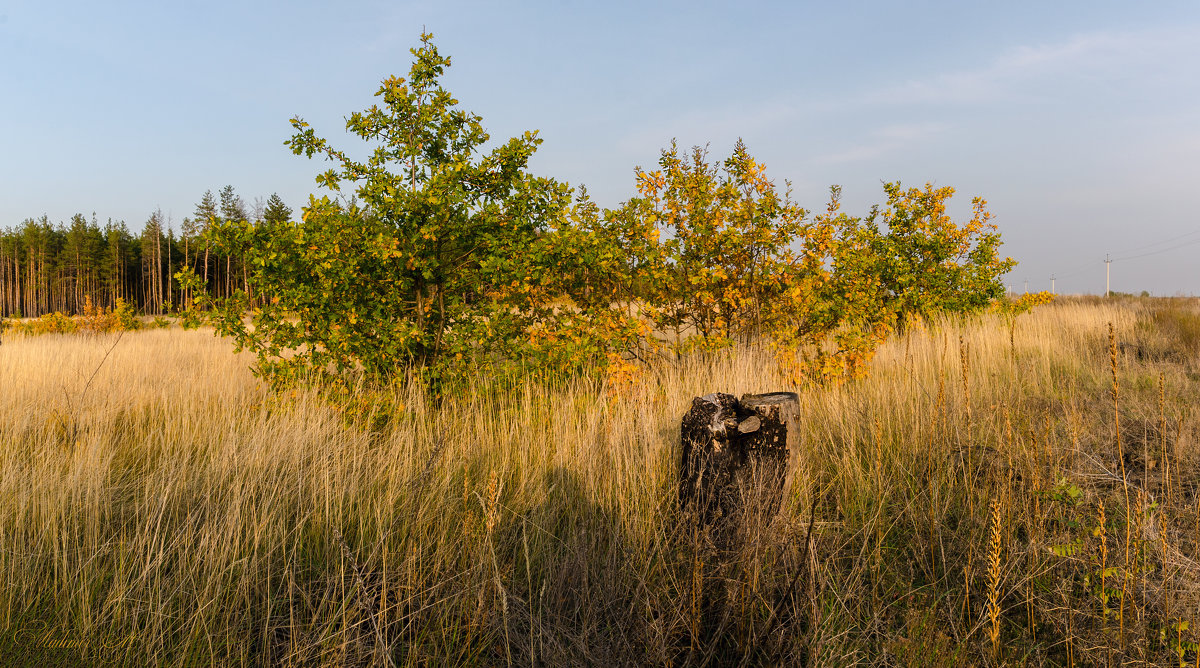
(1078, 122)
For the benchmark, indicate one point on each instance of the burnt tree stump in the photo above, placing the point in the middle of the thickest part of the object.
(768, 447)
(711, 457)
(735, 454)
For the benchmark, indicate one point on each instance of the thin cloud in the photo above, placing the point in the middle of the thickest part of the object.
(885, 140)
(1016, 73)
(1108, 55)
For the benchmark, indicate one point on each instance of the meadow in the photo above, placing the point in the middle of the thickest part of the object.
(987, 495)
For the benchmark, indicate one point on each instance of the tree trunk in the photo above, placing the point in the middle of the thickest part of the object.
(735, 456)
(731, 479)
(158, 282)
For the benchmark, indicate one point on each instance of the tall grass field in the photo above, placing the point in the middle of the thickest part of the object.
(992, 493)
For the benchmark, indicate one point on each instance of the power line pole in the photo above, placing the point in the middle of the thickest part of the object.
(1107, 271)
(1027, 286)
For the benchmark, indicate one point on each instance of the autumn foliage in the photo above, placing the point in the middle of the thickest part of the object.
(438, 257)
(94, 319)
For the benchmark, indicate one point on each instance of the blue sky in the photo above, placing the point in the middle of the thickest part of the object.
(1078, 122)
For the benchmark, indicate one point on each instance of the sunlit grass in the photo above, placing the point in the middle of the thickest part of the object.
(156, 498)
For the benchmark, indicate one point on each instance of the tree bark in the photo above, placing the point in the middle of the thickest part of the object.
(735, 456)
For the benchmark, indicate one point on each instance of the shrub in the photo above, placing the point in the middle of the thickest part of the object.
(53, 323)
(98, 320)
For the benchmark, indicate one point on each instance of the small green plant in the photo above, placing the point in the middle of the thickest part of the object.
(1065, 492)
(1171, 636)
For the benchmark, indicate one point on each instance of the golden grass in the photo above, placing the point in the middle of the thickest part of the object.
(176, 513)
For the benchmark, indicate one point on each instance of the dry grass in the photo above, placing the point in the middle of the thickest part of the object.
(941, 512)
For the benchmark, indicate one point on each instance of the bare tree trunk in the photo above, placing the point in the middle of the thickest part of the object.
(183, 297)
(158, 282)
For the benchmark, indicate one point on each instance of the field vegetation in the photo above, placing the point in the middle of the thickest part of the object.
(443, 426)
(983, 496)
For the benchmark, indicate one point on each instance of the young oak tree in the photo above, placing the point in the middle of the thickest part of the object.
(445, 259)
(867, 277)
(928, 262)
(832, 316)
(727, 244)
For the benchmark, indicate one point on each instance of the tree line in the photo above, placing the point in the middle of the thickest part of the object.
(61, 268)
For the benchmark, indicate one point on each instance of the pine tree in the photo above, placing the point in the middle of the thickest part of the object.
(233, 211)
(152, 262)
(205, 217)
(277, 212)
(76, 250)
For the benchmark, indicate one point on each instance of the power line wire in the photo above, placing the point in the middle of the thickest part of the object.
(1164, 241)
(1157, 252)
(1079, 269)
